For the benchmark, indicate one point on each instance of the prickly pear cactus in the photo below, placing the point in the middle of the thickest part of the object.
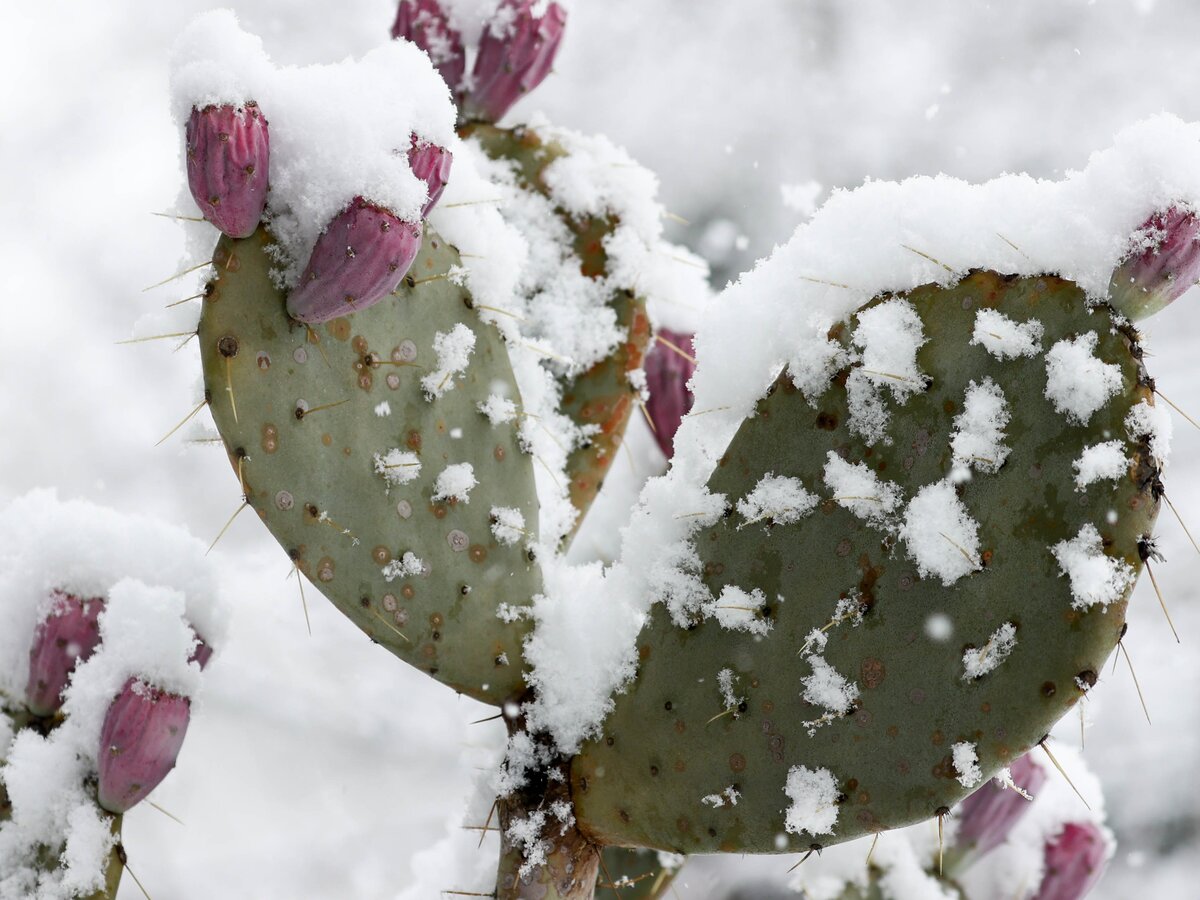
(601, 398)
(879, 663)
(361, 446)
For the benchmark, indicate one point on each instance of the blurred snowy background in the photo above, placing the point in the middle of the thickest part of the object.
(318, 766)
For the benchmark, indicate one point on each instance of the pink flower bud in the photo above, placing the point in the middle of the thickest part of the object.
(139, 741)
(424, 23)
(227, 163)
(357, 261)
(431, 164)
(667, 374)
(515, 55)
(1075, 860)
(65, 638)
(1165, 264)
(201, 653)
(988, 815)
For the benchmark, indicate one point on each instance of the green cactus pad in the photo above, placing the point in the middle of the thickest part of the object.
(323, 480)
(671, 740)
(627, 874)
(602, 396)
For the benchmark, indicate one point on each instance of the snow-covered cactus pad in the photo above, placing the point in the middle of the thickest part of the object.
(601, 397)
(908, 587)
(361, 446)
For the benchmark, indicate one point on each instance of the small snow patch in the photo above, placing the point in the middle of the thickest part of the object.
(1004, 338)
(978, 439)
(827, 688)
(497, 409)
(780, 499)
(455, 483)
(398, 466)
(1078, 383)
(725, 680)
(966, 764)
(407, 566)
(1095, 577)
(383, 409)
(508, 524)
(1100, 462)
(890, 335)
(856, 488)
(813, 365)
(977, 662)
(728, 797)
(940, 534)
(740, 611)
(1153, 423)
(814, 796)
(453, 349)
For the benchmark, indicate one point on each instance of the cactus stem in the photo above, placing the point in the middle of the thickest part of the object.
(1136, 684)
(1062, 772)
(203, 403)
(1161, 601)
(207, 262)
(932, 259)
(303, 600)
(179, 218)
(164, 812)
(675, 348)
(1176, 408)
(1011, 244)
(1182, 523)
(871, 852)
(836, 284)
(221, 534)
(162, 337)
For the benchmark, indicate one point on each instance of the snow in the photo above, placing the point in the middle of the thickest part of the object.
(890, 335)
(725, 682)
(966, 764)
(498, 409)
(978, 437)
(334, 128)
(453, 349)
(398, 466)
(383, 409)
(407, 566)
(1004, 338)
(782, 500)
(740, 610)
(856, 488)
(727, 797)
(940, 535)
(454, 483)
(508, 524)
(1095, 577)
(827, 688)
(978, 662)
(1101, 462)
(813, 364)
(1151, 421)
(814, 794)
(1078, 383)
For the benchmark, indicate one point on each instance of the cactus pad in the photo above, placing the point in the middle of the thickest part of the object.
(934, 664)
(360, 445)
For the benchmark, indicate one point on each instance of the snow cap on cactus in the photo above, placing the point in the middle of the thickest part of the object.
(228, 153)
(516, 53)
(431, 164)
(988, 815)
(426, 24)
(140, 740)
(1163, 265)
(65, 638)
(1075, 860)
(669, 365)
(357, 262)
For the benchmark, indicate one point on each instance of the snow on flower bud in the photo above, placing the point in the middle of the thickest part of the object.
(515, 55)
(357, 261)
(431, 164)
(139, 741)
(65, 638)
(1164, 264)
(1075, 861)
(667, 374)
(424, 23)
(228, 150)
(988, 815)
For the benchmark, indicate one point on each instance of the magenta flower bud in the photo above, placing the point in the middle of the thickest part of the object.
(988, 815)
(139, 741)
(424, 23)
(1166, 264)
(228, 150)
(515, 55)
(1075, 860)
(431, 164)
(357, 261)
(201, 653)
(65, 638)
(667, 374)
